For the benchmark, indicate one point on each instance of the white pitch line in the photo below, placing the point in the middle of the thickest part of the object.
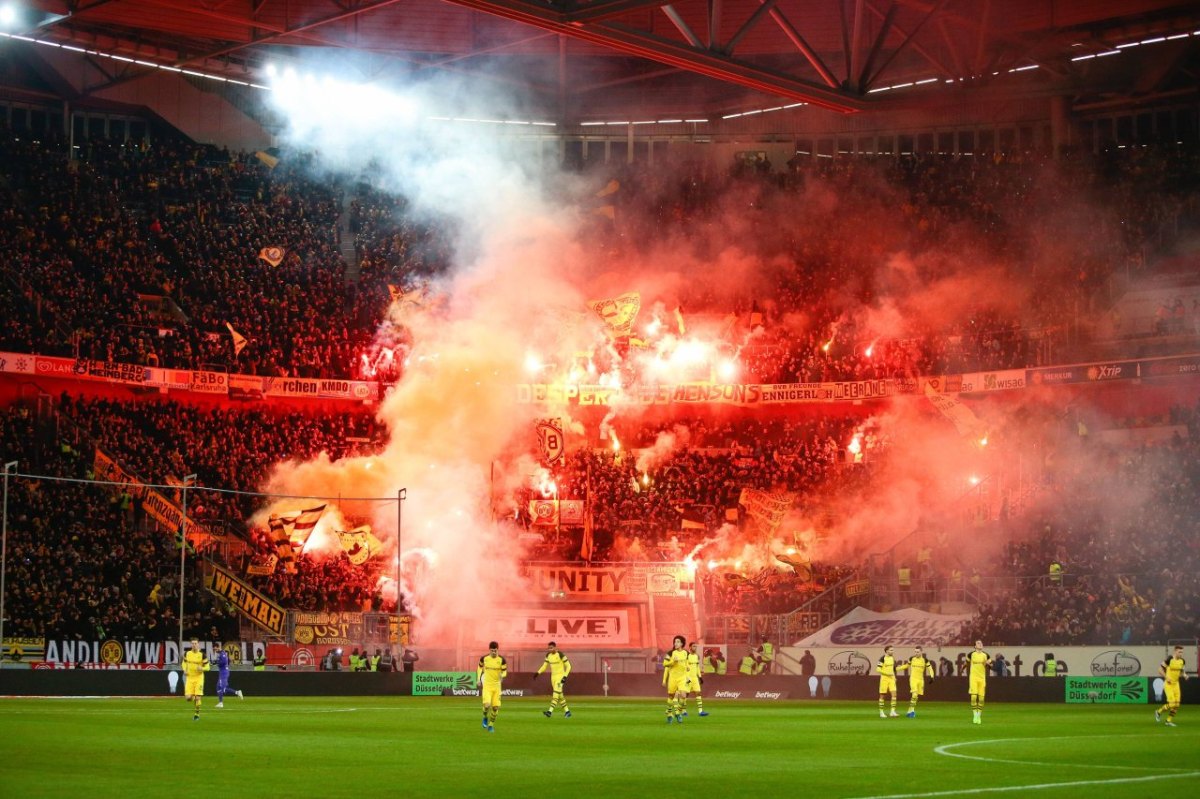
(1041, 786)
(944, 749)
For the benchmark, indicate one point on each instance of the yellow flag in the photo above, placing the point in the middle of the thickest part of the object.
(272, 255)
(239, 341)
(266, 158)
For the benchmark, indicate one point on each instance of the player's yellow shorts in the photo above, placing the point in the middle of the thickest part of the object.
(978, 687)
(193, 686)
(490, 694)
(556, 684)
(887, 685)
(1172, 693)
(676, 684)
(916, 687)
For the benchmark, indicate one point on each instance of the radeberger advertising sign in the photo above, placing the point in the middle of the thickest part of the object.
(1107, 690)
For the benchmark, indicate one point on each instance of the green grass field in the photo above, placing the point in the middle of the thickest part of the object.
(435, 747)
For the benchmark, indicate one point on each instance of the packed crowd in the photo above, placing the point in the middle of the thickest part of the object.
(81, 565)
(145, 254)
(1118, 530)
(1114, 560)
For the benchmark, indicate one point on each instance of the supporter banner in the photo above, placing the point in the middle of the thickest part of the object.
(112, 371)
(116, 654)
(857, 588)
(291, 387)
(570, 512)
(18, 649)
(16, 363)
(209, 382)
(767, 510)
(327, 629)
(263, 564)
(993, 381)
(46, 665)
(707, 393)
(618, 312)
(566, 626)
(245, 387)
(156, 504)
(1169, 367)
(623, 579)
(434, 683)
(907, 627)
(255, 606)
(1107, 690)
(964, 419)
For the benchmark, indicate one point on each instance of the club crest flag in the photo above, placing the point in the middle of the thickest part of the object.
(618, 313)
(272, 255)
(359, 544)
(550, 440)
(263, 564)
(544, 512)
(239, 341)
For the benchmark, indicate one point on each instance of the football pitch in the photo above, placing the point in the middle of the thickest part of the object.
(618, 747)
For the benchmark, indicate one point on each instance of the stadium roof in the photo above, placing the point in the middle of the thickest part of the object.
(583, 59)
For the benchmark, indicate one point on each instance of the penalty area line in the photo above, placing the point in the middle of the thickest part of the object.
(1040, 786)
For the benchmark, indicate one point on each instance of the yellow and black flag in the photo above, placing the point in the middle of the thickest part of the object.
(239, 341)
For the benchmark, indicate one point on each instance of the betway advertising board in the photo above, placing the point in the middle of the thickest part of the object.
(1093, 662)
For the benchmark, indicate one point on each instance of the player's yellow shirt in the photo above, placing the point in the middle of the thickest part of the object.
(886, 666)
(979, 665)
(194, 663)
(1171, 668)
(693, 666)
(492, 669)
(919, 668)
(675, 664)
(558, 664)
